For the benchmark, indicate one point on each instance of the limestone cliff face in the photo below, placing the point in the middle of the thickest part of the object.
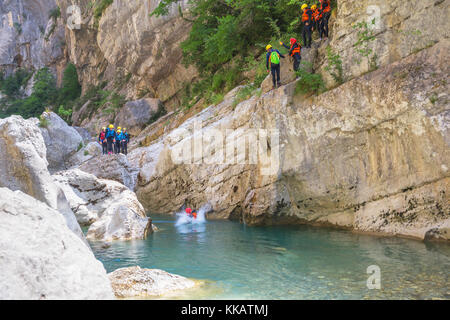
(29, 37)
(370, 155)
(401, 28)
(129, 44)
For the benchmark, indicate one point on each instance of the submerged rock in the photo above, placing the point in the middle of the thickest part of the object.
(111, 209)
(41, 258)
(136, 282)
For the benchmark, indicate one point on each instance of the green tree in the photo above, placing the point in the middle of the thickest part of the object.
(71, 88)
(44, 87)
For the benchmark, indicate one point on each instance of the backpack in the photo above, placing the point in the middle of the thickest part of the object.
(274, 58)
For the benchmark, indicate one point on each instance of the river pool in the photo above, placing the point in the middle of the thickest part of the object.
(297, 262)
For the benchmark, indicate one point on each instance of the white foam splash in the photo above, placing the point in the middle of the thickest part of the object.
(183, 218)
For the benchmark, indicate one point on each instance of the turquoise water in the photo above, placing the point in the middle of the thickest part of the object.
(301, 262)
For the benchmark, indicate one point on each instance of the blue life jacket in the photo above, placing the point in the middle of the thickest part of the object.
(120, 137)
(126, 136)
(110, 133)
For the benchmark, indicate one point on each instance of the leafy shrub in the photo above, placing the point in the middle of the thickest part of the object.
(309, 83)
(44, 94)
(243, 94)
(71, 88)
(100, 8)
(43, 122)
(11, 85)
(54, 13)
(232, 32)
(18, 27)
(365, 36)
(65, 114)
(158, 114)
(335, 66)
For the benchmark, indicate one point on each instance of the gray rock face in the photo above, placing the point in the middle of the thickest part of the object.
(130, 44)
(111, 209)
(113, 167)
(62, 141)
(23, 166)
(84, 133)
(136, 282)
(41, 257)
(401, 29)
(91, 150)
(135, 115)
(25, 37)
(370, 155)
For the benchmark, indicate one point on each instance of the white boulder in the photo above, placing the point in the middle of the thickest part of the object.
(40, 258)
(23, 166)
(111, 209)
(134, 282)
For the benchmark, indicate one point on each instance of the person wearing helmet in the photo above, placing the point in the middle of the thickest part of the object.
(307, 20)
(118, 143)
(110, 138)
(317, 20)
(125, 141)
(102, 140)
(294, 52)
(273, 65)
(191, 213)
(325, 9)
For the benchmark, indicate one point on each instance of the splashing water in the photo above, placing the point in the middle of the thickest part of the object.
(184, 219)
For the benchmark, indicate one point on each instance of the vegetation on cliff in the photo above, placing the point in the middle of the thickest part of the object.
(45, 93)
(227, 41)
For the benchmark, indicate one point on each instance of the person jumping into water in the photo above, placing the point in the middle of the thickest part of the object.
(190, 213)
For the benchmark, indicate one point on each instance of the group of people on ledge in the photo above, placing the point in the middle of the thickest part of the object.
(114, 141)
(314, 18)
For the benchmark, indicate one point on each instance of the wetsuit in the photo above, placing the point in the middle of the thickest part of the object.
(110, 136)
(102, 140)
(125, 141)
(118, 143)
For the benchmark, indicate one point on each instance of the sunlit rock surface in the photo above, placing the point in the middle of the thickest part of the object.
(23, 166)
(111, 209)
(371, 155)
(136, 282)
(41, 258)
